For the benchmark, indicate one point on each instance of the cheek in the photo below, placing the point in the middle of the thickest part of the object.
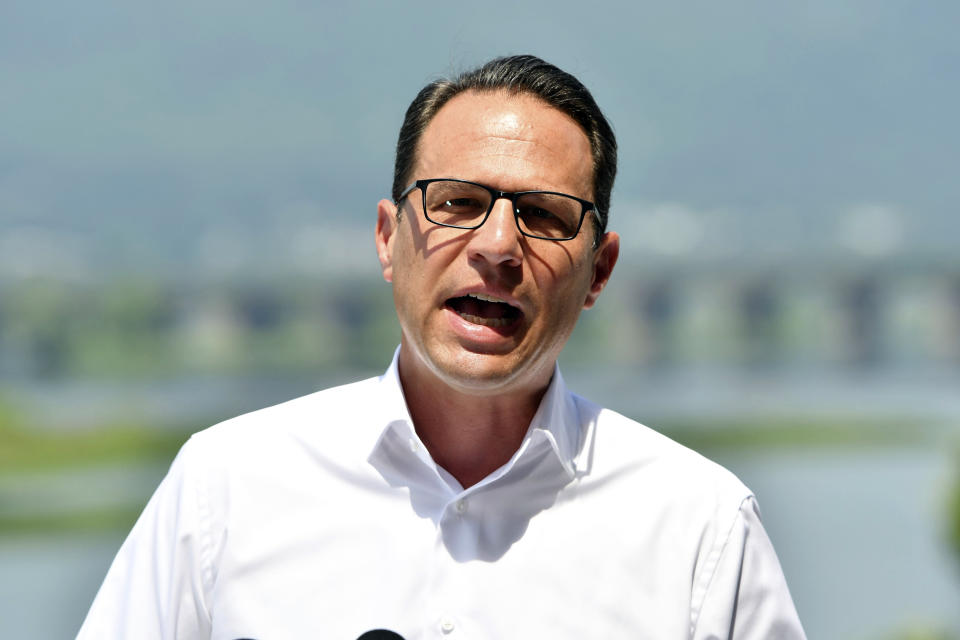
(415, 277)
(405, 278)
(565, 282)
(563, 305)
(406, 263)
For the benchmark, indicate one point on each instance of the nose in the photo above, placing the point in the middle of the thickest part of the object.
(497, 241)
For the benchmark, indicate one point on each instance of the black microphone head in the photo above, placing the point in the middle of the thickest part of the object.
(380, 634)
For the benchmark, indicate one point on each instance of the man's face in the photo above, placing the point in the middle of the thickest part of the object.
(488, 310)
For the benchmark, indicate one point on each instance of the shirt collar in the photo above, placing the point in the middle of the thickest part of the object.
(391, 404)
(556, 418)
(555, 421)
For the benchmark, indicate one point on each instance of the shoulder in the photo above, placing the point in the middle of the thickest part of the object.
(299, 413)
(653, 465)
(303, 425)
(658, 502)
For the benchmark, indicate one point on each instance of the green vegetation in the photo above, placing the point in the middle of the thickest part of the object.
(146, 329)
(953, 530)
(26, 452)
(45, 450)
(791, 432)
(922, 633)
(115, 518)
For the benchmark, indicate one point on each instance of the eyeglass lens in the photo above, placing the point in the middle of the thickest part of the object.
(464, 205)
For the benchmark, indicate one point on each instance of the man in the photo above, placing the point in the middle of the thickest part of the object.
(466, 493)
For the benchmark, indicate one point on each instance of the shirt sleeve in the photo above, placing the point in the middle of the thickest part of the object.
(747, 596)
(155, 588)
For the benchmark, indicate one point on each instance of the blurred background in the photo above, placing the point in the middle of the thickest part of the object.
(187, 201)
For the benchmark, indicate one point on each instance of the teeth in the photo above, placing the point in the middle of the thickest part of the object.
(487, 322)
(485, 298)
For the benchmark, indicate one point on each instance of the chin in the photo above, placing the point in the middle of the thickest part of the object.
(483, 374)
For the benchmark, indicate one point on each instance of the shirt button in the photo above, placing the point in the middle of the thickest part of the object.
(461, 506)
(446, 625)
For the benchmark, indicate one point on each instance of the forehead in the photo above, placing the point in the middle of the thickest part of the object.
(506, 140)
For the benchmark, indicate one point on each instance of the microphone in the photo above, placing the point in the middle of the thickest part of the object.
(380, 634)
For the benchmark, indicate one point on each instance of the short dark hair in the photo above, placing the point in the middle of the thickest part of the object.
(518, 74)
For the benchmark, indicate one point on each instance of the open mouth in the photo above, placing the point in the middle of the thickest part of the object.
(485, 310)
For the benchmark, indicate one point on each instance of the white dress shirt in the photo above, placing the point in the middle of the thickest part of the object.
(325, 517)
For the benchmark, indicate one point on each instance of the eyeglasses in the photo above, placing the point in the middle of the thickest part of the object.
(467, 205)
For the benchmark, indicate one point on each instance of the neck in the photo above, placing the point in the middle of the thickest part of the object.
(469, 435)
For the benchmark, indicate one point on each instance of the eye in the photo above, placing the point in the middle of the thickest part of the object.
(456, 199)
(548, 215)
(465, 204)
(536, 212)
(533, 214)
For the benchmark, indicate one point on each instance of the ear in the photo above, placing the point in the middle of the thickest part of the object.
(604, 259)
(386, 227)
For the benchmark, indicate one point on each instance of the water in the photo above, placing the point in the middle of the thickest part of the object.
(859, 534)
(47, 583)
(648, 395)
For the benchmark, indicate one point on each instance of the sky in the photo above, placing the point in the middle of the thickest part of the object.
(223, 137)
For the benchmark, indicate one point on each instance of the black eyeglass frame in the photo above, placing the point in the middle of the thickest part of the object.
(496, 194)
